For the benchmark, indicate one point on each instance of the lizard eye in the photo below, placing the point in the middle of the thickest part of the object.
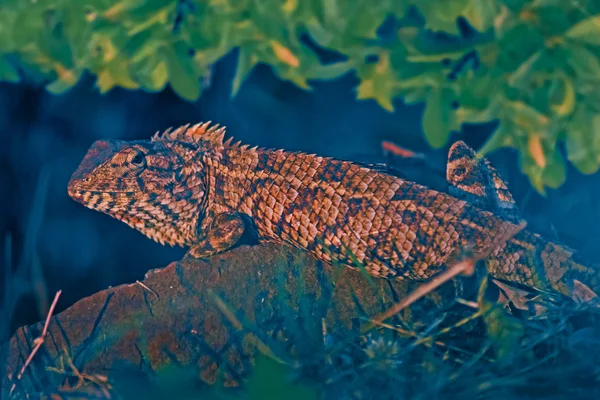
(138, 160)
(459, 171)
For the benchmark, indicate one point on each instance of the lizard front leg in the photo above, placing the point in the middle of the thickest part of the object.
(224, 232)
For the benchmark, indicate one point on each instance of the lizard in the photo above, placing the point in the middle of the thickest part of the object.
(191, 187)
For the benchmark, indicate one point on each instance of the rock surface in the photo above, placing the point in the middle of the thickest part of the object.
(200, 314)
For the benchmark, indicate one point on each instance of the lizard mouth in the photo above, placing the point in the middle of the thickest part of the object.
(92, 198)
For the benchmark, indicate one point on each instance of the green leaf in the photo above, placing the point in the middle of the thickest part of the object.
(502, 137)
(525, 117)
(505, 331)
(555, 173)
(585, 63)
(416, 95)
(53, 43)
(517, 46)
(442, 15)
(475, 93)
(533, 171)
(8, 73)
(586, 31)
(271, 380)
(515, 5)
(579, 142)
(563, 96)
(439, 120)
(116, 73)
(66, 80)
(151, 72)
(522, 75)
(378, 82)
(330, 71)
(183, 77)
(554, 21)
(7, 27)
(481, 14)
(246, 62)
(368, 89)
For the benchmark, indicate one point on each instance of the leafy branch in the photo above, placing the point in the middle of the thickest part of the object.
(531, 65)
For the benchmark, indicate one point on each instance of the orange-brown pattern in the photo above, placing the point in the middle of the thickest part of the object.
(473, 178)
(189, 187)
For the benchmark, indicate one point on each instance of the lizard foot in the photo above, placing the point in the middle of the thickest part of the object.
(225, 230)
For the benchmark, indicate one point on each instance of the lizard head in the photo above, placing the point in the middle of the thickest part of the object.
(472, 177)
(157, 187)
(463, 171)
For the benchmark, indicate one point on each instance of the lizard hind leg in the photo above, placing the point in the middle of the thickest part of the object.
(225, 231)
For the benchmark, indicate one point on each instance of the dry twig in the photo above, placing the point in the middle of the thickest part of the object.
(38, 341)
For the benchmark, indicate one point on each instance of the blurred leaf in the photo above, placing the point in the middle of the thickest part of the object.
(515, 5)
(556, 20)
(555, 172)
(522, 74)
(505, 331)
(502, 137)
(147, 15)
(586, 31)
(53, 42)
(416, 95)
(8, 73)
(105, 44)
(476, 94)
(182, 75)
(7, 28)
(533, 171)
(151, 73)
(442, 15)
(271, 380)
(525, 116)
(578, 142)
(439, 120)
(536, 150)
(518, 44)
(563, 99)
(115, 73)
(284, 54)
(289, 6)
(367, 90)
(66, 80)
(530, 66)
(331, 71)
(246, 61)
(481, 14)
(585, 63)
(378, 82)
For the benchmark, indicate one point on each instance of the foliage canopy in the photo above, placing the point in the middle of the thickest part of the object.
(532, 65)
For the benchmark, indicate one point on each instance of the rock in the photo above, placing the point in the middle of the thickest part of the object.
(211, 316)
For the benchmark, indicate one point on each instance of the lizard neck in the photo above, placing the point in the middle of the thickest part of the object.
(236, 172)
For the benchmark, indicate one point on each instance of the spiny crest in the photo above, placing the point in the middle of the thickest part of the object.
(204, 135)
